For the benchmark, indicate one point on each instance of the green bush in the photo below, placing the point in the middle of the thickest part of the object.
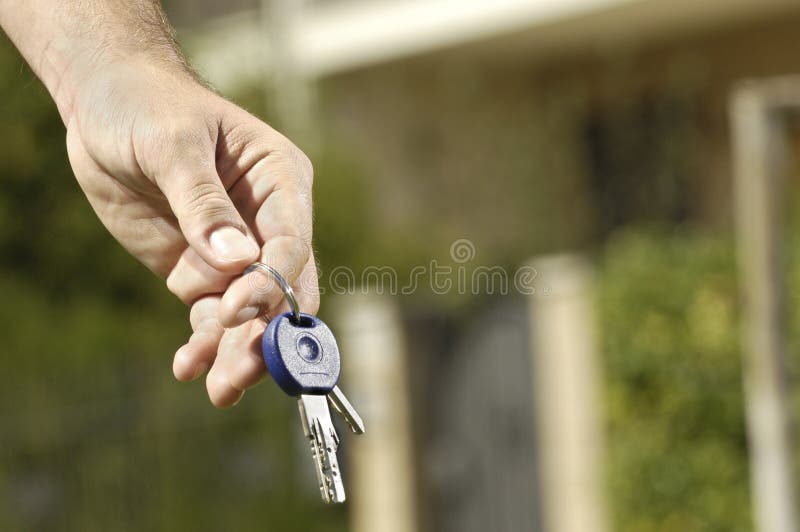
(677, 444)
(95, 433)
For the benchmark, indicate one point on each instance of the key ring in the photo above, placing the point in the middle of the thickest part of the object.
(287, 290)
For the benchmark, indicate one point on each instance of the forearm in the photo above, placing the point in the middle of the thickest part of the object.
(67, 41)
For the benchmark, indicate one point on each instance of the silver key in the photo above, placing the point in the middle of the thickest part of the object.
(341, 405)
(324, 441)
(303, 358)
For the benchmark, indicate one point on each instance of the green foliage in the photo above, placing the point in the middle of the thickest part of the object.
(791, 294)
(677, 445)
(95, 433)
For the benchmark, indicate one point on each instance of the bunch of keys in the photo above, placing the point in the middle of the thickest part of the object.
(303, 359)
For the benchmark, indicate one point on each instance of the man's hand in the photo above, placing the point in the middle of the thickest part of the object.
(188, 183)
(193, 186)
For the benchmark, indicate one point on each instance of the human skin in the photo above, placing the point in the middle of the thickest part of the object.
(190, 184)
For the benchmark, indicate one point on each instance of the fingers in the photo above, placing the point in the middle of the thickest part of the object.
(207, 216)
(273, 196)
(197, 355)
(233, 355)
(238, 366)
(306, 292)
(192, 278)
(283, 221)
(258, 292)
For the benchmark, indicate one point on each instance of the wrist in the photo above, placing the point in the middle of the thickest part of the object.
(68, 44)
(88, 75)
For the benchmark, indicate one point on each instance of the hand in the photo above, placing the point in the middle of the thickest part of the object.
(197, 189)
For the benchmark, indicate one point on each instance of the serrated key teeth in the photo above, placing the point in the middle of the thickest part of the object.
(324, 442)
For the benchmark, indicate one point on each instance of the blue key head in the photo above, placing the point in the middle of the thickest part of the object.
(303, 357)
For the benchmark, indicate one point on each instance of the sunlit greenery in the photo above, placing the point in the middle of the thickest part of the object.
(677, 448)
(95, 433)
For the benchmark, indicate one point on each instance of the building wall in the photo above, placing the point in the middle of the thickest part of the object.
(531, 156)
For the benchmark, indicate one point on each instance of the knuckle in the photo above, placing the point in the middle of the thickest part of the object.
(304, 166)
(248, 373)
(175, 286)
(294, 252)
(297, 164)
(305, 232)
(175, 138)
(304, 253)
(204, 310)
(267, 296)
(206, 199)
(304, 248)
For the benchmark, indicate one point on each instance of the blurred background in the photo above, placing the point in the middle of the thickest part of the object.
(629, 167)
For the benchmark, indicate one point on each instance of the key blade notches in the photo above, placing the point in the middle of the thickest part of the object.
(324, 442)
(303, 359)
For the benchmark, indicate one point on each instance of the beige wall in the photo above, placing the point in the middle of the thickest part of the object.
(496, 150)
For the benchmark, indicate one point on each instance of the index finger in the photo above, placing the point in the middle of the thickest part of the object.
(283, 222)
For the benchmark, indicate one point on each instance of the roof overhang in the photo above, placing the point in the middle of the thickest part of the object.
(331, 38)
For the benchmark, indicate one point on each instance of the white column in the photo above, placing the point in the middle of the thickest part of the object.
(566, 396)
(380, 482)
(759, 148)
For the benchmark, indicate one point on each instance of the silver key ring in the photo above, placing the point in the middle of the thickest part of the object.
(287, 290)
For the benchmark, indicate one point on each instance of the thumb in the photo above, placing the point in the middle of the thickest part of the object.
(208, 218)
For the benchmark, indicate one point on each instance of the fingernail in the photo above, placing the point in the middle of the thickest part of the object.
(247, 314)
(230, 244)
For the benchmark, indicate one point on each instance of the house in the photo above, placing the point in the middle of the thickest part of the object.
(527, 127)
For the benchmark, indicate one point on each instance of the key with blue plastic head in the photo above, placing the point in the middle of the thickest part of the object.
(303, 358)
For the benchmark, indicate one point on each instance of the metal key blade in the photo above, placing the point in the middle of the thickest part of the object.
(323, 440)
(340, 403)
